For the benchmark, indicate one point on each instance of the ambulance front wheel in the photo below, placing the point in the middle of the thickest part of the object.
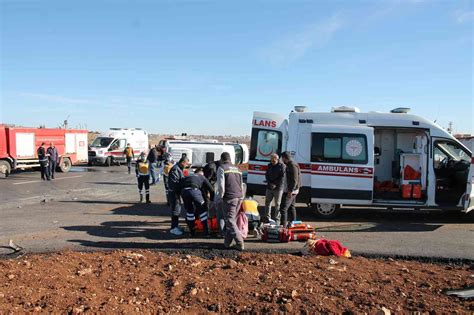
(326, 210)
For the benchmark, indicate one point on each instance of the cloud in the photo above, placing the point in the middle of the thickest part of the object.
(292, 47)
(464, 16)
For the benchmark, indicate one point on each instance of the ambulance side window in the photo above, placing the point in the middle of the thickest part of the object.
(264, 143)
(339, 148)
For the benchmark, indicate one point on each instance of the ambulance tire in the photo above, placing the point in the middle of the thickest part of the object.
(5, 168)
(65, 165)
(326, 210)
(108, 161)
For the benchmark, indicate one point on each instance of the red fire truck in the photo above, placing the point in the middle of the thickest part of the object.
(18, 146)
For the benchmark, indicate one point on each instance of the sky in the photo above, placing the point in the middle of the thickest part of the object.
(203, 67)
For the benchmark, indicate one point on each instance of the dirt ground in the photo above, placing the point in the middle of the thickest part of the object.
(150, 281)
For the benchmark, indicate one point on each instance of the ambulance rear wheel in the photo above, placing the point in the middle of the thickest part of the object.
(65, 165)
(5, 168)
(326, 210)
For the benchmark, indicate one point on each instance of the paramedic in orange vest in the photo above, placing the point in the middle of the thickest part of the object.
(142, 169)
(129, 155)
(230, 192)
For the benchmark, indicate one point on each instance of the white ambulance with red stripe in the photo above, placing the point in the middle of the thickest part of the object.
(391, 160)
(108, 148)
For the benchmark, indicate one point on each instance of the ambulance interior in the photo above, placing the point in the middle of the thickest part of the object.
(401, 161)
(401, 167)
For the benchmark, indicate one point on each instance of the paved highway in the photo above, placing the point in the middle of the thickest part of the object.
(94, 208)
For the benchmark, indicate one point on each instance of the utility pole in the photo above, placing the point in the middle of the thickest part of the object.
(450, 127)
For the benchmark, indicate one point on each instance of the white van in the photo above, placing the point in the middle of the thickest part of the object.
(391, 160)
(202, 152)
(108, 148)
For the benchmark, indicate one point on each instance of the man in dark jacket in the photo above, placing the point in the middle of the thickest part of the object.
(43, 161)
(152, 159)
(210, 171)
(53, 159)
(192, 191)
(230, 192)
(274, 177)
(290, 190)
(174, 189)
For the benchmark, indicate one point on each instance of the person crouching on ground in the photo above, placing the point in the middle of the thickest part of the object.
(193, 188)
(230, 192)
(274, 177)
(142, 170)
(174, 179)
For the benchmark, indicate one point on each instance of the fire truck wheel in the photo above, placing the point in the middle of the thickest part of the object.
(65, 165)
(5, 168)
(326, 210)
(108, 161)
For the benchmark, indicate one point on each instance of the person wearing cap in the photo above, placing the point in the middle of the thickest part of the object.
(175, 176)
(129, 155)
(290, 189)
(230, 193)
(142, 170)
(193, 187)
(53, 157)
(43, 161)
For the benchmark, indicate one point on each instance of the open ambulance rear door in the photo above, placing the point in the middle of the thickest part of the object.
(269, 135)
(469, 197)
(342, 167)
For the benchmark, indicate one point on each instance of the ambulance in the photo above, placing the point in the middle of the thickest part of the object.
(108, 148)
(349, 158)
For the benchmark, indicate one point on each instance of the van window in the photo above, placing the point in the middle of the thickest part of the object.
(209, 157)
(339, 148)
(264, 143)
(239, 154)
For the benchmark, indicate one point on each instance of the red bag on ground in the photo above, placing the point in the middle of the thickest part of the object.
(243, 223)
(326, 248)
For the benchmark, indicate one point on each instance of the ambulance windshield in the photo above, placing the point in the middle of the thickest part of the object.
(101, 142)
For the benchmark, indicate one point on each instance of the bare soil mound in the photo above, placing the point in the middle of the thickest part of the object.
(147, 281)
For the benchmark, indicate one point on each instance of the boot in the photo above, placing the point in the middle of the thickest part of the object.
(141, 197)
(148, 198)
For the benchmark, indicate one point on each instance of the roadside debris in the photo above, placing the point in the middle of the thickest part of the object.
(325, 247)
(467, 293)
(16, 248)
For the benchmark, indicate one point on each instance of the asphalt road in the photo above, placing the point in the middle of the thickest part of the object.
(94, 208)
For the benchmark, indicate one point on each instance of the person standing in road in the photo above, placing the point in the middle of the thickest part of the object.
(274, 177)
(152, 158)
(166, 163)
(142, 170)
(210, 172)
(53, 159)
(291, 189)
(43, 161)
(193, 187)
(230, 192)
(129, 155)
(174, 180)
